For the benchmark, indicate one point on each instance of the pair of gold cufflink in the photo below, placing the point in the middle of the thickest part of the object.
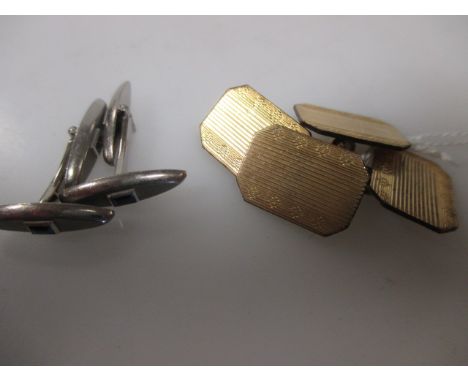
(281, 168)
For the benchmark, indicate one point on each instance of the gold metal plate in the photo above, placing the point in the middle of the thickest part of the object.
(346, 125)
(414, 187)
(228, 129)
(301, 179)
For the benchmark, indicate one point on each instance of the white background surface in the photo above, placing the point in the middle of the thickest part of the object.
(196, 275)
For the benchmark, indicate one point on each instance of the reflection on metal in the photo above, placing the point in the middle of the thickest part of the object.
(306, 181)
(352, 126)
(69, 203)
(228, 129)
(415, 187)
(317, 185)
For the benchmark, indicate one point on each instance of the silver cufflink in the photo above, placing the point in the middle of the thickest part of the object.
(71, 202)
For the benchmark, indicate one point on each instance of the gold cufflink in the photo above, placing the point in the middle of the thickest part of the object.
(301, 179)
(229, 128)
(403, 181)
(282, 169)
(347, 126)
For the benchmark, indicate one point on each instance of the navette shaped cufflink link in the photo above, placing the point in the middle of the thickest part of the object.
(50, 216)
(70, 202)
(122, 188)
(282, 169)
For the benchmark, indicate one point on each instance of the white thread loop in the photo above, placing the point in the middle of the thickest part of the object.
(428, 143)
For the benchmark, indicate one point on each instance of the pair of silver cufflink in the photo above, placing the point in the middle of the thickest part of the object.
(70, 202)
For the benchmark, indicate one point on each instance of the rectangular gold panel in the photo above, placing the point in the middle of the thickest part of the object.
(301, 179)
(414, 187)
(352, 126)
(230, 126)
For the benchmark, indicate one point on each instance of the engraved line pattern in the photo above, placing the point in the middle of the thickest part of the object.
(415, 186)
(237, 116)
(301, 179)
(351, 125)
(222, 152)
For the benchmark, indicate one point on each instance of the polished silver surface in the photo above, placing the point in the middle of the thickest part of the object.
(86, 145)
(49, 216)
(99, 126)
(51, 194)
(197, 276)
(52, 218)
(120, 142)
(125, 188)
(117, 119)
(122, 188)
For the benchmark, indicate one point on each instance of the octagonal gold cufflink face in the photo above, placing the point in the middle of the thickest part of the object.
(228, 129)
(301, 179)
(350, 126)
(280, 168)
(415, 187)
